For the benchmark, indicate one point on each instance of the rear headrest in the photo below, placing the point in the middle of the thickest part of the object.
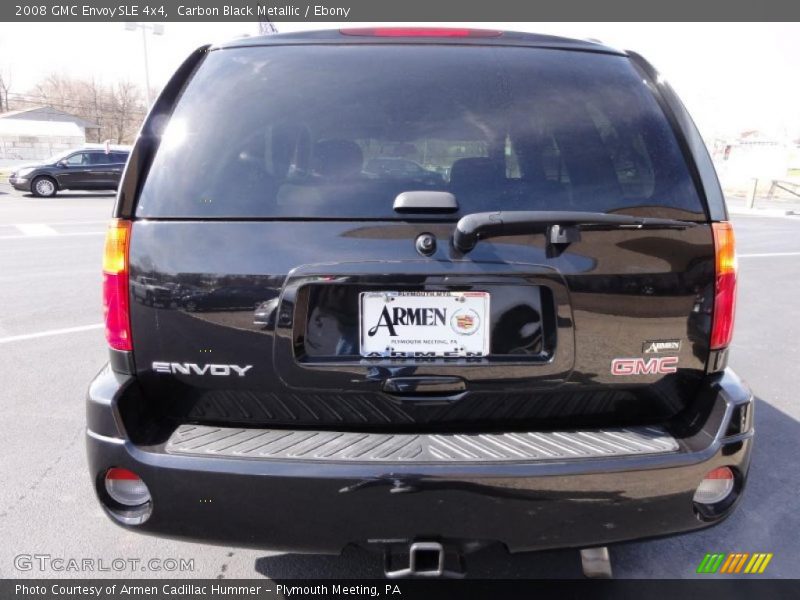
(476, 171)
(287, 149)
(337, 158)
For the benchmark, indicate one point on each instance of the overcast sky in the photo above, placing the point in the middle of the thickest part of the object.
(732, 76)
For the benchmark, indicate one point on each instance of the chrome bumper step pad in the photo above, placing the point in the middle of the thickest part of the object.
(229, 442)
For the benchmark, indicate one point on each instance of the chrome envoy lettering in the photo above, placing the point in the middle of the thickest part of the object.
(195, 369)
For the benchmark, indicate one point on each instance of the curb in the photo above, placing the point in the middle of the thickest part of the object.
(763, 212)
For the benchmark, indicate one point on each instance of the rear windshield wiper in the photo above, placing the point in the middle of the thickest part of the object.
(562, 226)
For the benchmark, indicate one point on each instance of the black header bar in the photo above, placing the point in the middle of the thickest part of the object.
(399, 10)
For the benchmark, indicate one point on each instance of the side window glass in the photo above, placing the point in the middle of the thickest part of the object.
(628, 153)
(76, 160)
(555, 170)
(512, 163)
(99, 158)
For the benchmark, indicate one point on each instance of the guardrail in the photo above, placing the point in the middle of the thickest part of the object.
(787, 186)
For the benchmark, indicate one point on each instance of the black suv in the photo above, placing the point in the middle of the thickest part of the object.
(529, 350)
(82, 169)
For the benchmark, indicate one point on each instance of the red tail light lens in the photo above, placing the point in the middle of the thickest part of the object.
(420, 32)
(121, 474)
(115, 285)
(725, 290)
(716, 486)
(126, 487)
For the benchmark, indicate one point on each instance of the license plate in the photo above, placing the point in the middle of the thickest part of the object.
(424, 324)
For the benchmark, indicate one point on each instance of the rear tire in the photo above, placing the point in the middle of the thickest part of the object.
(44, 187)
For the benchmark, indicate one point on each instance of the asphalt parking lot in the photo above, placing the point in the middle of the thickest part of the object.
(51, 345)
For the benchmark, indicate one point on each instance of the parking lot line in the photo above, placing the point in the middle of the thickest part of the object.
(36, 229)
(55, 234)
(104, 222)
(40, 334)
(768, 254)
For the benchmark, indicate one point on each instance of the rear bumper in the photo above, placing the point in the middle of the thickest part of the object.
(322, 506)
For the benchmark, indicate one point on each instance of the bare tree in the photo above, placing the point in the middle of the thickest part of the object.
(116, 109)
(94, 97)
(56, 89)
(126, 108)
(5, 88)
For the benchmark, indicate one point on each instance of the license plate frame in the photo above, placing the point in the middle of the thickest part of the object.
(438, 324)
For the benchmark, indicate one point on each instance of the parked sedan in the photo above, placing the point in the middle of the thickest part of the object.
(82, 169)
(222, 298)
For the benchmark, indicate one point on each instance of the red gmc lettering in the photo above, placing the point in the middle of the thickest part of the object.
(640, 366)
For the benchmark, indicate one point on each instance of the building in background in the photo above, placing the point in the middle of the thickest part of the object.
(752, 155)
(40, 132)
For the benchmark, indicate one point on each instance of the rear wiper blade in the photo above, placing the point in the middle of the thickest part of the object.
(562, 225)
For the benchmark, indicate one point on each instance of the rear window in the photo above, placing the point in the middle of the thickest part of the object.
(99, 158)
(340, 131)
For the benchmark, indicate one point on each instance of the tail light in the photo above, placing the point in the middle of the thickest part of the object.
(716, 486)
(115, 285)
(445, 32)
(126, 487)
(725, 286)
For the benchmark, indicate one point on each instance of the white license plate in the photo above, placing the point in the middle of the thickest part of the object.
(424, 324)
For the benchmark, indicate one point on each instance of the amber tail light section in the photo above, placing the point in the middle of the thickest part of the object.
(725, 286)
(116, 309)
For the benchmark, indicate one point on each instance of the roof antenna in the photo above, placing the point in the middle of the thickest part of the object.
(266, 27)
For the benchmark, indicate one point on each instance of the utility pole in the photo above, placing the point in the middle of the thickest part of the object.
(157, 29)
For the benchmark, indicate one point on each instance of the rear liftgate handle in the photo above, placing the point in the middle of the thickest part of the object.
(426, 389)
